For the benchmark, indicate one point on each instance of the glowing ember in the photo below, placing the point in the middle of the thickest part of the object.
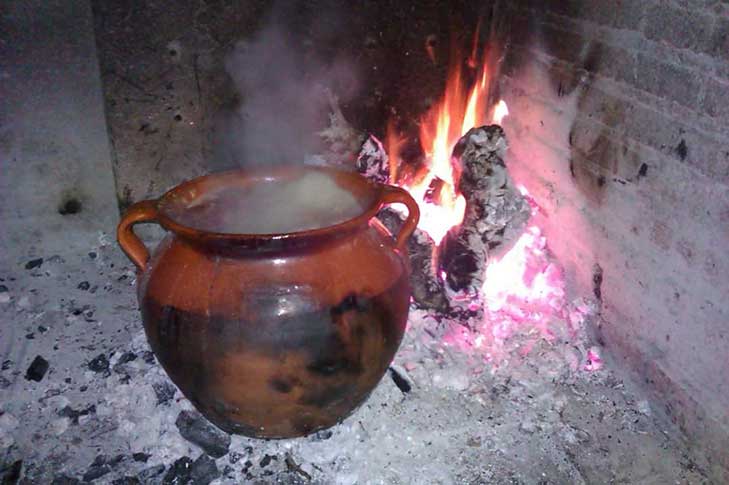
(523, 275)
(524, 302)
(594, 362)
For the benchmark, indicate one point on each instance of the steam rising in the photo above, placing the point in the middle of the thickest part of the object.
(287, 93)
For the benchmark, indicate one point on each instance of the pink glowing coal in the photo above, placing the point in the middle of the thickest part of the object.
(524, 301)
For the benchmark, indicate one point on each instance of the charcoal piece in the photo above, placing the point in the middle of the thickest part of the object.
(99, 364)
(3, 289)
(97, 469)
(84, 286)
(197, 430)
(37, 369)
(372, 161)
(179, 473)
(149, 474)
(294, 467)
(164, 391)
(265, 461)
(73, 415)
(34, 263)
(127, 357)
(204, 470)
(148, 357)
(120, 366)
(400, 381)
(11, 473)
(65, 480)
(495, 210)
(141, 457)
(126, 481)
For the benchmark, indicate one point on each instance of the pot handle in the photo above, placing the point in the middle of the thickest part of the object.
(396, 195)
(133, 247)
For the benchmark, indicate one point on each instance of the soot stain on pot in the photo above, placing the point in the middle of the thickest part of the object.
(328, 396)
(350, 302)
(284, 385)
(339, 347)
(173, 340)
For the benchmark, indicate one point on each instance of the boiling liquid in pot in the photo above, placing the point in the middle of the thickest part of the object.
(311, 201)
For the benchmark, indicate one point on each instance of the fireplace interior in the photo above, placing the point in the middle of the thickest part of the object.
(584, 343)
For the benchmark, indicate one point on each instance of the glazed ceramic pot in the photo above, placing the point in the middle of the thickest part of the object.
(273, 335)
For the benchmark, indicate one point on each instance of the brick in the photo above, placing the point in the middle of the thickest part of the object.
(683, 29)
(610, 151)
(652, 128)
(617, 63)
(667, 81)
(562, 44)
(705, 154)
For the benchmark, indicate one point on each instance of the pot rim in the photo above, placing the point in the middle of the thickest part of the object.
(354, 179)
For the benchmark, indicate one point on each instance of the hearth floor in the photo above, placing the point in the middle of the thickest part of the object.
(105, 412)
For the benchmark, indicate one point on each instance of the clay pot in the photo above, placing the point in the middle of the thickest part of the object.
(273, 335)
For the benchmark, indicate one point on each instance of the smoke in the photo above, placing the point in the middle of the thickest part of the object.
(288, 92)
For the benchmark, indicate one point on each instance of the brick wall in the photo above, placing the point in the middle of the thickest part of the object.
(620, 129)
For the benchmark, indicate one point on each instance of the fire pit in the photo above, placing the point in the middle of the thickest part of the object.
(567, 315)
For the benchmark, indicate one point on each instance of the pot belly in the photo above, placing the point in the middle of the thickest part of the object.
(284, 362)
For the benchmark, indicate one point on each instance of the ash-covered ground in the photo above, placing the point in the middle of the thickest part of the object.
(84, 401)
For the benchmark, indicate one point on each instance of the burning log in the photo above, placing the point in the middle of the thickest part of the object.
(427, 287)
(496, 212)
(495, 215)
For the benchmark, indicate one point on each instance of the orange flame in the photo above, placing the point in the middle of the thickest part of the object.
(435, 187)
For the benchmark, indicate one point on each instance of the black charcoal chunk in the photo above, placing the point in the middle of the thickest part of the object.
(196, 429)
(99, 364)
(400, 381)
(34, 263)
(37, 369)
(204, 470)
(179, 473)
(164, 392)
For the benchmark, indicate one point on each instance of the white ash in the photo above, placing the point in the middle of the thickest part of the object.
(529, 420)
(373, 162)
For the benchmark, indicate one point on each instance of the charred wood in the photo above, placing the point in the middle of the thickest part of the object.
(427, 288)
(495, 210)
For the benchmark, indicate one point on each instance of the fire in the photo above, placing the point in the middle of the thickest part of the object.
(500, 112)
(435, 187)
(523, 298)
